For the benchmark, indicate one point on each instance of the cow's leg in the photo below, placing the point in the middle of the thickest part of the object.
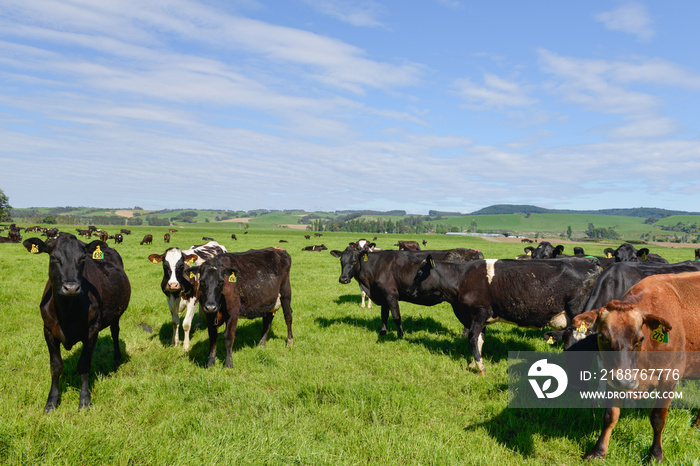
(286, 302)
(396, 315)
(267, 323)
(612, 414)
(476, 342)
(191, 305)
(174, 304)
(229, 336)
(211, 327)
(114, 329)
(385, 319)
(658, 422)
(84, 364)
(56, 364)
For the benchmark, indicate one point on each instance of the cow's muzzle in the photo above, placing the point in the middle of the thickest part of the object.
(344, 280)
(70, 289)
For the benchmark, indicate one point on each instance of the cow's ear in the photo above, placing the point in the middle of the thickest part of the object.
(352, 245)
(583, 322)
(529, 250)
(428, 262)
(372, 245)
(559, 250)
(155, 258)
(190, 272)
(643, 253)
(190, 259)
(654, 322)
(231, 274)
(609, 252)
(95, 248)
(336, 253)
(34, 245)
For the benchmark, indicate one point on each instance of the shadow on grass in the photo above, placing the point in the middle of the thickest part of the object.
(165, 334)
(103, 364)
(248, 333)
(520, 430)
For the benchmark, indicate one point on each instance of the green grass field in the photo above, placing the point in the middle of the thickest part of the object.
(341, 395)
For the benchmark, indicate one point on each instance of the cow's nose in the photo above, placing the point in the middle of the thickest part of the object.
(210, 307)
(70, 289)
(344, 280)
(173, 286)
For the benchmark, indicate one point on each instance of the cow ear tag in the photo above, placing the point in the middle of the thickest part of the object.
(550, 341)
(659, 335)
(364, 258)
(232, 278)
(35, 249)
(154, 261)
(98, 254)
(582, 328)
(432, 263)
(191, 262)
(608, 255)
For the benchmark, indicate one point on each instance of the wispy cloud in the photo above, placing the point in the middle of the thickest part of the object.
(632, 18)
(357, 13)
(493, 92)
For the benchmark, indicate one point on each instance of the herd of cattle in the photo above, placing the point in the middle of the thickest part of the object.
(620, 298)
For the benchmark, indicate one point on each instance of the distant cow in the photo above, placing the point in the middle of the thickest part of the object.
(628, 253)
(248, 284)
(233, 236)
(535, 293)
(659, 315)
(87, 291)
(388, 275)
(148, 239)
(408, 246)
(172, 230)
(103, 235)
(4, 239)
(166, 237)
(545, 250)
(206, 238)
(118, 238)
(181, 290)
(315, 248)
(124, 231)
(307, 236)
(318, 235)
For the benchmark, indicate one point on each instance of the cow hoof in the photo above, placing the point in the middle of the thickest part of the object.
(290, 342)
(49, 408)
(382, 332)
(210, 362)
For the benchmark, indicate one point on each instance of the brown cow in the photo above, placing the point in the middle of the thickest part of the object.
(166, 237)
(658, 314)
(148, 239)
(408, 246)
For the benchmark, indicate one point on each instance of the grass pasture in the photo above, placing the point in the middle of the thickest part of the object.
(341, 395)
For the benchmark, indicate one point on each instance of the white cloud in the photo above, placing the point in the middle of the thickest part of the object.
(632, 18)
(495, 92)
(357, 13)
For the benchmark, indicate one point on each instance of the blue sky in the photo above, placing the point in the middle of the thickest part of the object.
(333, 104)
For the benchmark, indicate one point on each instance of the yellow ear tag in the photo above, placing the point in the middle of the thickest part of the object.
(364, 258)
(35, 250)
(98, 254)
(529, 253)
(609, 255)
(191, 263)
(659, 335)
(232, 278)
(550, 341)
(582, 328)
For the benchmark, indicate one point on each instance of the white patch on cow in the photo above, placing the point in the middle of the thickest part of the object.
(172, 256)
(559, 321)
(490, 269)
(480, 342)
(278, 304)
(493, 320)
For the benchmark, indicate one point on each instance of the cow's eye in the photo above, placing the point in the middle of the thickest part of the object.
(639, 342)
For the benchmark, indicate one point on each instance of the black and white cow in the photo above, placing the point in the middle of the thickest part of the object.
(181, 291)
(388, 275)
(613, 283)
(535, 293)
(545, 250)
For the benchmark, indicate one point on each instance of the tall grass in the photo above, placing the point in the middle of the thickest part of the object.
(342, 394)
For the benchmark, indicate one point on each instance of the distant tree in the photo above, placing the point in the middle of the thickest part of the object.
(5, 207)
(569, 232)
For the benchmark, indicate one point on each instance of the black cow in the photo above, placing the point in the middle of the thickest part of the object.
(545, 250)
(118, 238)
(320, 247)
(628, 253)
(613, 283)
(148, 239)
(248, 284)
(87, 291)
(534, 293)
(388, 275)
